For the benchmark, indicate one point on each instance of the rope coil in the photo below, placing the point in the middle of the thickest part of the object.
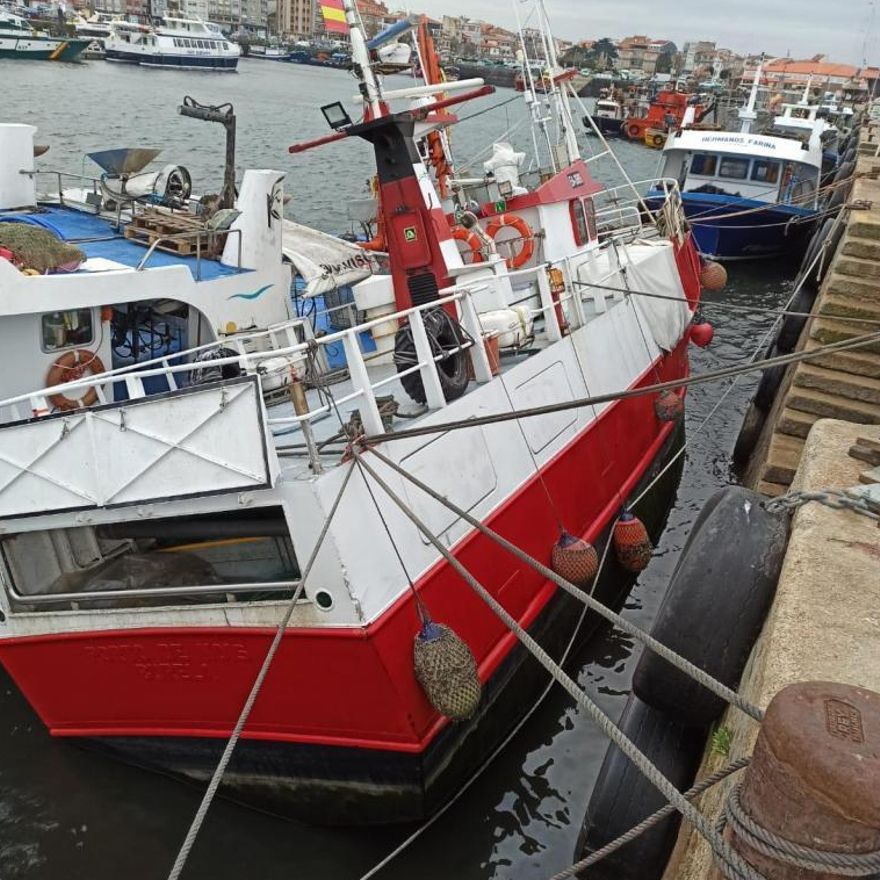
(781, 849)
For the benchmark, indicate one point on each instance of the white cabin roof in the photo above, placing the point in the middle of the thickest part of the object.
(754, 145)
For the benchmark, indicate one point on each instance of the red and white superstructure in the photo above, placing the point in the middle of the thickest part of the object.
(150, 545)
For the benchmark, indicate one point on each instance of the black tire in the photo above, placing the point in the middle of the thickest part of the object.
(826, 237)
(850, 155)
(839, 197)
(768, 387)
(715, 606)
(443, 333)
(844, 171)
(623, 797)
(206, 372)
(749, 434)
(793, 325)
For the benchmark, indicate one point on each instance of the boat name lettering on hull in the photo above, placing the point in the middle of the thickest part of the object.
(732, 139)
(172, 661)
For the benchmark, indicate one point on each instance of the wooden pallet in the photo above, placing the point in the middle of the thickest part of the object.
(177, 233)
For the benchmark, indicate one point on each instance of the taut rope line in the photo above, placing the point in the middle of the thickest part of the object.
(216, 778)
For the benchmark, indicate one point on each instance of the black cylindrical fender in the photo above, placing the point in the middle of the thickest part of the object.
(623, 797)
(715, 605)
(749, 434)
(768, 387)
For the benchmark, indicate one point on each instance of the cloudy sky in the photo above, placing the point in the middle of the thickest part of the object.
(803, 28)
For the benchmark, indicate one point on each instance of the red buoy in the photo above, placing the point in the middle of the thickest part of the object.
(702, 332)
(575, 560)
(631, 543)
(713, 276)
(669, 406)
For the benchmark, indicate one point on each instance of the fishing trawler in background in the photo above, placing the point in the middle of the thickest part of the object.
(662, 113)
(179, 43)
(609, 115)
(158, 512)
(746, 194)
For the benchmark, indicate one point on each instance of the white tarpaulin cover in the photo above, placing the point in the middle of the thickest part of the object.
(324, 261)
(653, 269)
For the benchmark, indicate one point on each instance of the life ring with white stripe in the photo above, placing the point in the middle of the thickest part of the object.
(472, 240)
(526, 238)
(73, 365)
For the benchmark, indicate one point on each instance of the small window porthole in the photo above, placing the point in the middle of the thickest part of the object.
(67, 329)
(323, 600)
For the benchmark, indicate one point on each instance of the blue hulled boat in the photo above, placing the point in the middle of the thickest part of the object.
(748, 195)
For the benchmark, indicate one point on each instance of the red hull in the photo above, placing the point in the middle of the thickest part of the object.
(342, 687)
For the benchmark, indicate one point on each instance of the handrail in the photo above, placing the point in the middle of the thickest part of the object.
(73, 176)
(158, 592)
(249, 359)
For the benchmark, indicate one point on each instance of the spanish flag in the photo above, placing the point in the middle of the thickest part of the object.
(334, 16)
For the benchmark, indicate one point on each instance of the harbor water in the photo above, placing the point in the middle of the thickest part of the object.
(66, 813)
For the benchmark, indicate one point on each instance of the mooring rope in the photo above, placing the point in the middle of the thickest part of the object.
(405, 844)
(781, 849)
(217, 777)
(682, 663)
(762, 342)
(723, 306)
(629, 393)
(720, 847)
(654, 819)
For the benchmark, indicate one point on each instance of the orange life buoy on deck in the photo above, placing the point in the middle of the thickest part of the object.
(72, 365)
(633, 130)
(471, 239)
(376, 243)
(526, 237)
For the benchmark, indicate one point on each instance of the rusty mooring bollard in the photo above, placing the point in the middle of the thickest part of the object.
(814, 781)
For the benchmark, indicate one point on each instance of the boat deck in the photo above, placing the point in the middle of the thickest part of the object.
(107, 248)
(336, 403)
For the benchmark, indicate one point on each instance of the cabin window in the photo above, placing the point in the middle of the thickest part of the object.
(735, 169)
(704, 165)
(231, 556)
(69, 329)
(765, 172)
(579, 222)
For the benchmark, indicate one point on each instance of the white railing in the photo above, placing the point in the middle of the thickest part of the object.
(91, 183)
(292, 343)
(293, 351)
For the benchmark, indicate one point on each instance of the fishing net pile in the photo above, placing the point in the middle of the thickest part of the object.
(33, 247)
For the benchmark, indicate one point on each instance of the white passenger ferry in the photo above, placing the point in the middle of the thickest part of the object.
(183, 43)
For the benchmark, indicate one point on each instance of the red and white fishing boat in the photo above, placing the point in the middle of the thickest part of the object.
(155, 517)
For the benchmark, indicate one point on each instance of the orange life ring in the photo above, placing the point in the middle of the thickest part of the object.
(633, 130)
(72, 365)
(526, 236)
(658, 140)
(472, 240)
